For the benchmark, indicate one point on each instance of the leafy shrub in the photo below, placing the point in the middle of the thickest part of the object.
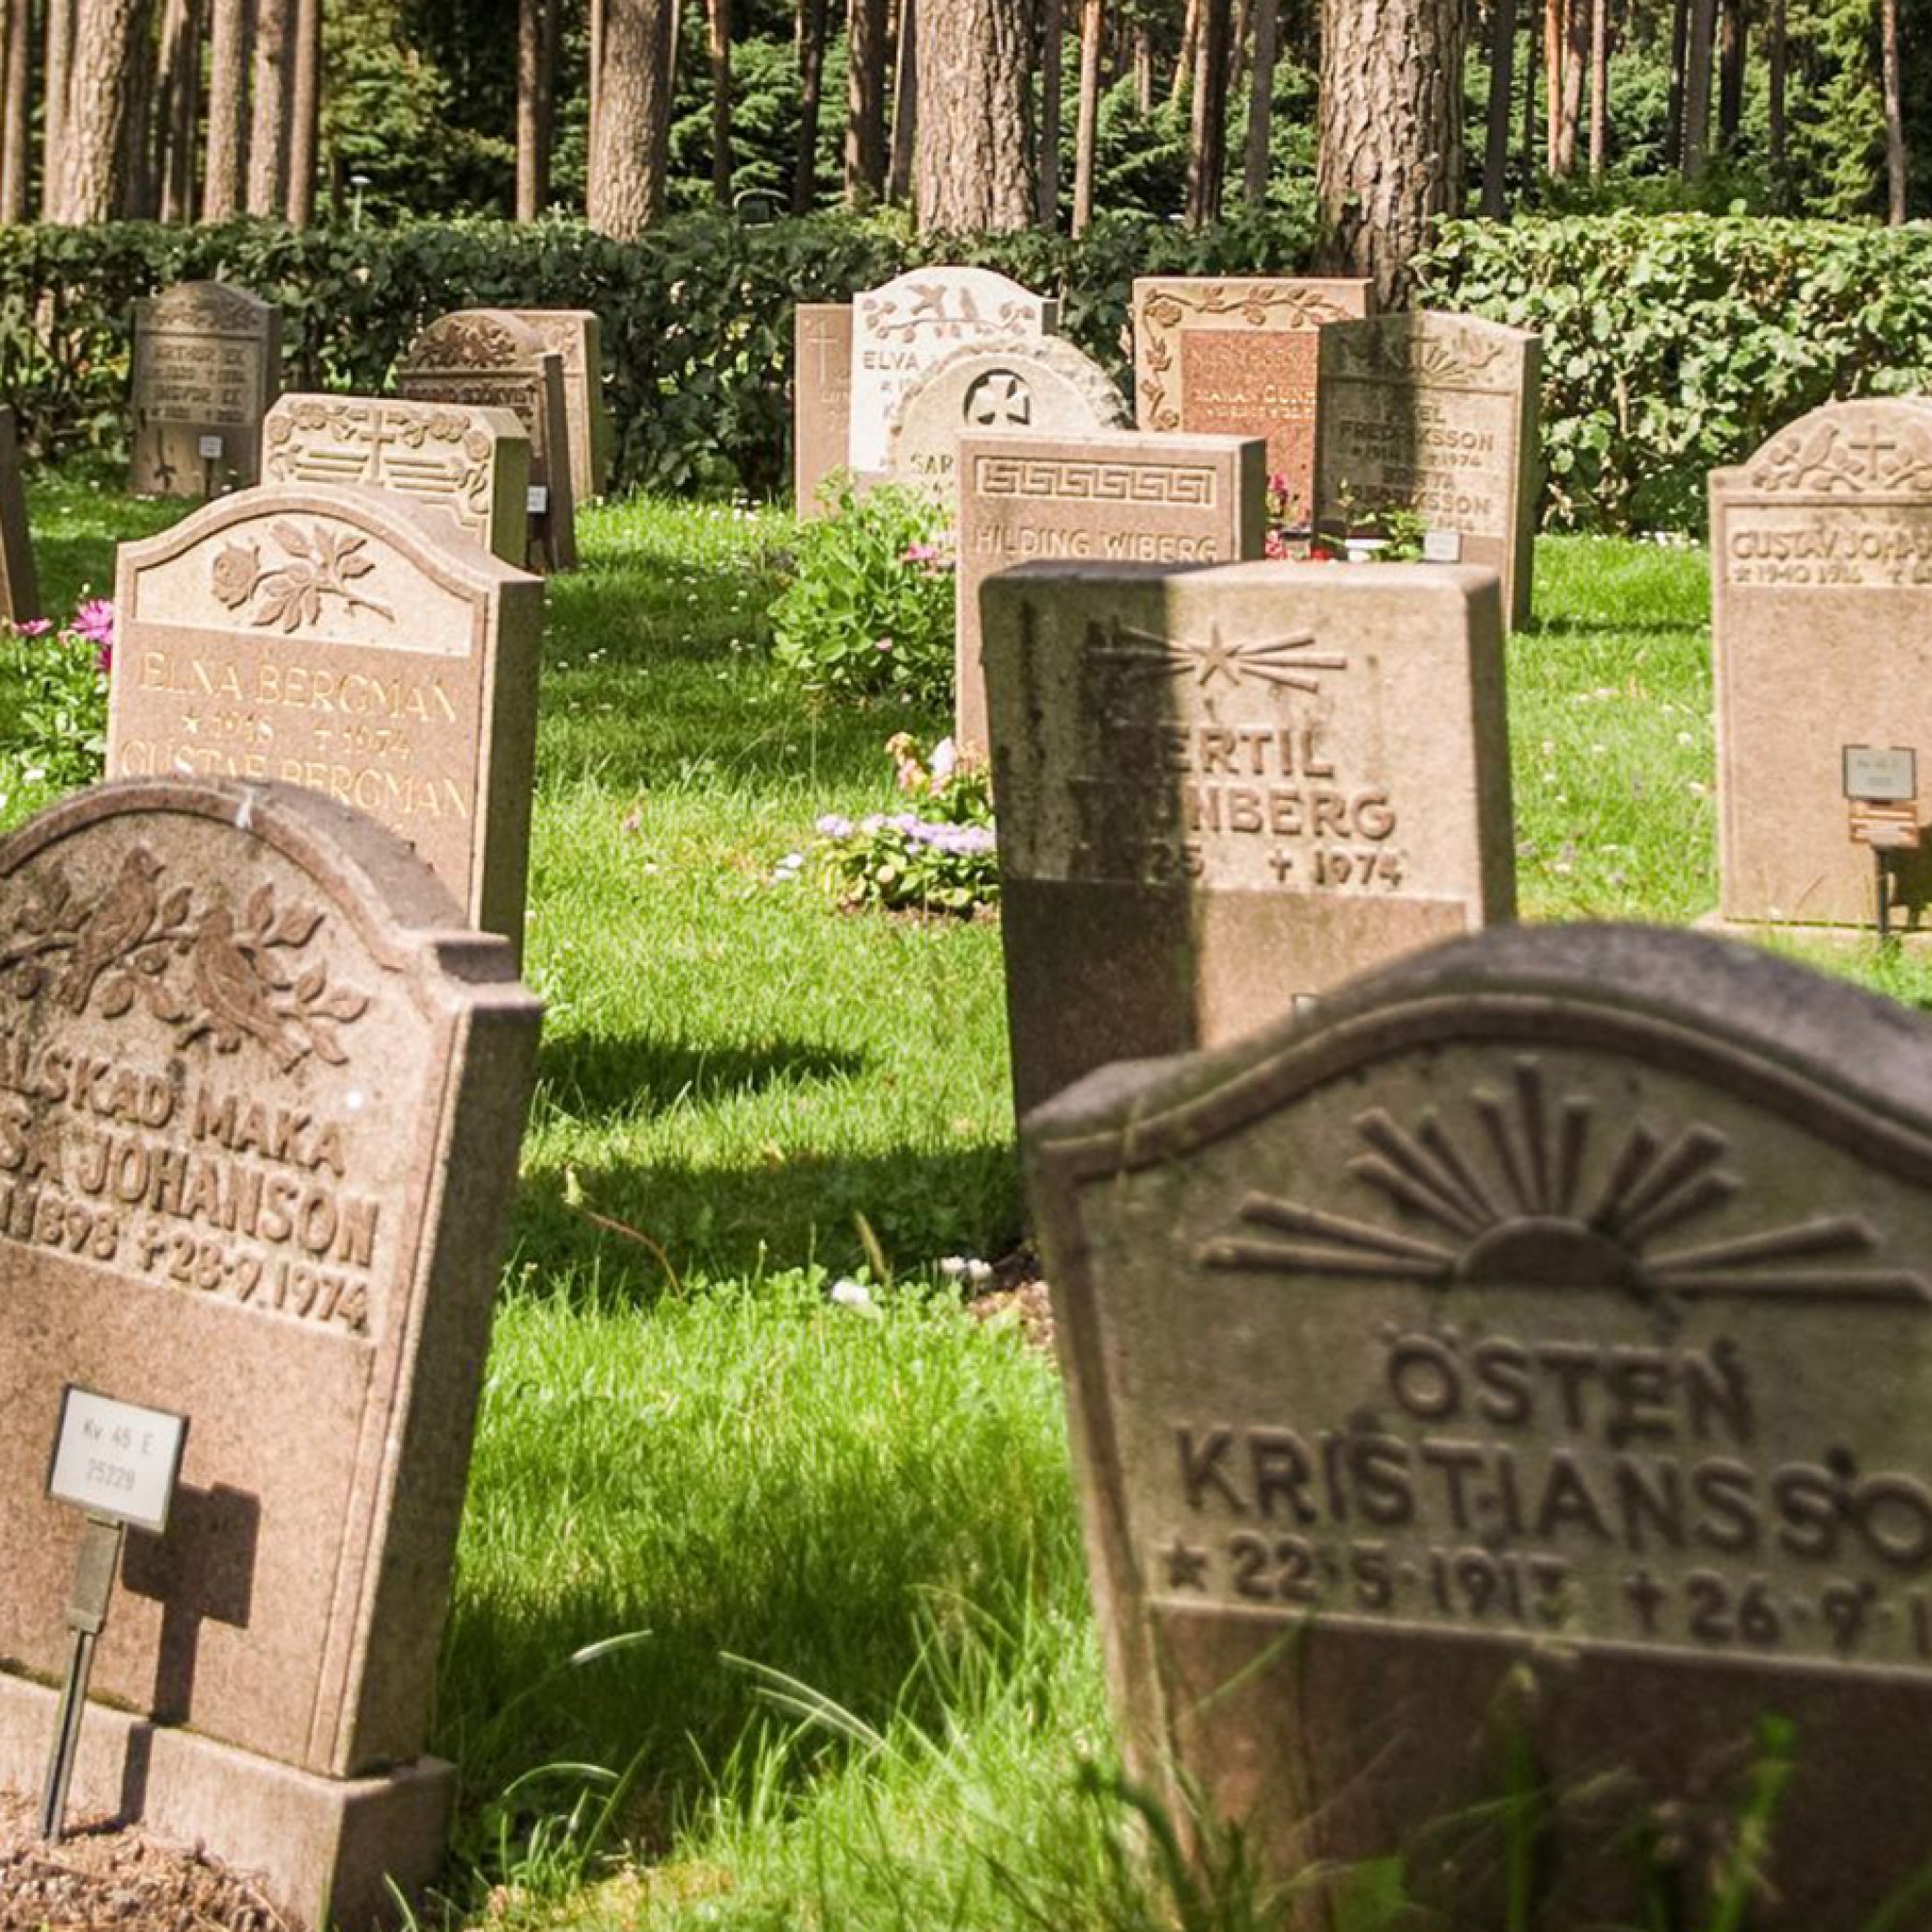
(54, 706)
(869, 610)
(940, 857)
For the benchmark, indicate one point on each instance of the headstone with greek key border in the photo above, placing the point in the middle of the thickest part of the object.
(1549, 1439)
(1225, 790)
(208, 362)
(260, 1093)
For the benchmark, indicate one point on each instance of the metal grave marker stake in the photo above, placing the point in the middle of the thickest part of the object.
(1883, 789)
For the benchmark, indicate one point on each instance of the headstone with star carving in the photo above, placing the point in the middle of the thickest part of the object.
(1821, 609)
(207, 364)
(340, 639)
(1548, 1449)
(261, 1095)
(1226, 791)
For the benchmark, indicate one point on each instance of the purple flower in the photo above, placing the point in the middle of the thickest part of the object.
(94, 621)
(836, 827)
(35, 627)
(921, 553)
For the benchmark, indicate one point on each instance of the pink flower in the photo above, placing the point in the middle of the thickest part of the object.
(94, 621)
(35, 627)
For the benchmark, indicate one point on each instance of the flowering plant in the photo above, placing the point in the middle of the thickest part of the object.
(938, 857)
(53, 704)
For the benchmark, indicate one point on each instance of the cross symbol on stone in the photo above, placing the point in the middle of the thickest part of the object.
(1872, 447)
(999, 399)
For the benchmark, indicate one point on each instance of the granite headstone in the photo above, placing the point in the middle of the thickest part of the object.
(821, 399)
(578, 338)
(208, 362)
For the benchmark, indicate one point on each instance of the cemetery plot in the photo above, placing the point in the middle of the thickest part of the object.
(208, 362)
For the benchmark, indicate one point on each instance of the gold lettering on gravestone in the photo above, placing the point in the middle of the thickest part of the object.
(1824, 550)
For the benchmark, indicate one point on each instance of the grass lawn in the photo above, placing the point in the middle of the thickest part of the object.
(772, 1612)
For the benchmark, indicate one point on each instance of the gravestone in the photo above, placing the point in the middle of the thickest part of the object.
(19, 583)
(336, 639)
(1224, 790)
(903, 327)
(1435, 413)
(1239, 358)
(262, 1103)
(1551, 1421)
(1115, 499)
(1821, 559)
(821, 401)
(208, 362)
(488, 358)
(576, 337)
(1046, 388)
(467, 467)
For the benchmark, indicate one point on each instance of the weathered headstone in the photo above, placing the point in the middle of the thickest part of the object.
(903, 327)
(1436, 414)
(1044, 387)
(19, 581)
(1239, 358)
(821, 400)
(1821, 559)
(336, 639)
(1551, 1418)
(578, 338)
(1223, 790)
(259, 1123)
(468, 466)
(486, 357)
(208, 362)
(1118, 499)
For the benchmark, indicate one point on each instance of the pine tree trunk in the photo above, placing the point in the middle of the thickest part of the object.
(1777, 58)
(1731, 56)
(625, 179)
(1389, 149)
(56, 88)
(1565, 107)
(866, 101)
(1555, 17)
(227, 110)
(1143, 69)
(1185, 56)
(100, 81)
(1052, 37)
(905, 104)
(1086, 124)
(533, 134)
(971, 175)
(674, 52)
(719, 29)
(15, 146)
(269, 118)
(135, 196)
(179, 105)
(811, 88)
(1892, 65)
(1698, 59)
(1600, 87)
(1258, 161)
(304, 115)
(1207, 117)
(1680, 48)
(1502, 97)
(1530, 83)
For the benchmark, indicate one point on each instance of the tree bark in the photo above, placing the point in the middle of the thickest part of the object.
(971, 175)
(625, 178)
(811, 89)
(866, 101)
(1389, 146)
(717, 26)
(1891, 63)
(1697, 56)
(227, 110)
(534, 94)
(1555, 16)
(1184, 55)
(15, 146)
(1207, 117)
(1530, 83)
(1257, 162)
(269, 119)
(1600, 87)
(304, 114)
(1673, 117)
(1087, 122)
(99, 82)
(178, 105)
(674, 52)
(56, 87)
(1568, 57)
(1143, 69)
(1502, 97)
(1731, 54)
(1777, 60)
(136, 198)
(1052, 37)
(905, 104)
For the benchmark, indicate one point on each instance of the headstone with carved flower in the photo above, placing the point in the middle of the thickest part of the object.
(336, 639)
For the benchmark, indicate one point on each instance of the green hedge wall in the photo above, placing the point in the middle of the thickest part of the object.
(1672, 343)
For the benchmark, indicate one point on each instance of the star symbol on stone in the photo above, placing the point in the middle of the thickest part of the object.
(1218, 655)
(191, 722)
(1186, 1566)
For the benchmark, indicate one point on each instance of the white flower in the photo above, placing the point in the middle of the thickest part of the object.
(978, 1273)
(945, 761)
(953, 1266)
(854, 1294)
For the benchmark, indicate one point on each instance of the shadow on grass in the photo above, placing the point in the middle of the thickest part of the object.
(591, 1077)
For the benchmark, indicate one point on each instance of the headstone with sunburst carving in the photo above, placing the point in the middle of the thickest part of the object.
(1225, 790)
(1501, 1406)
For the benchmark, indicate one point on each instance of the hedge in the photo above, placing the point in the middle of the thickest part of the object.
(1672, 343)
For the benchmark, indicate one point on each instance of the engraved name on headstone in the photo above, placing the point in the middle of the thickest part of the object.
(903, 327)
(208, 362)
(469, 467)
(1553, 1395)
(259, 1103)
(821, 399)
(1435, 413)
(1820, 562)
(337, 640)
(487, 356)
(1223, 789)
(1239, 358)
(576, 336)
(1104, 498)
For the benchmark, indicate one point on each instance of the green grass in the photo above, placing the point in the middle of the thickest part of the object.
(819, 1568)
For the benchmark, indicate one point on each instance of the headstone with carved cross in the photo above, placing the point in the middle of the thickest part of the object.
(208, 362)
(1434, 413)
(1226, 789)
(821, 399)
(260, 1093)
(336, 639)
(1238, 358)
(486, 357)
(1500, 1408)
(1820, 562)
